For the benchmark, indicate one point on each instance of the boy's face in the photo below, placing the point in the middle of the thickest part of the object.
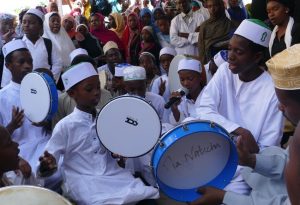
(146, 35)
(9, 152)
(87, 93)
(183, 6)
(113, 56)
(54, 23)
(241, 58)
(117, 83)
(147, 62)
(164, 26)
(31, 25)
(289, 108)
(190, 80)
(6, 25)
(136, 87)
(20, 65)
(165, 61)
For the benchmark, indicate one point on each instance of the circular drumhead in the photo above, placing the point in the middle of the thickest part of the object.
(30, 195)
(193, 155)
(35, 97)
(128, 126)
(196, 159)
(173, 76)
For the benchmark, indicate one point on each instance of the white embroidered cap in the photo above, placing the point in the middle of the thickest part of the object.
(167, 50)
(221, 57)
(134, 73)
(255, 30)
(109, 45)
(119, 69)
(190, 64)
(78, 73)
(36, 12)
(12, 46)
(77, 52)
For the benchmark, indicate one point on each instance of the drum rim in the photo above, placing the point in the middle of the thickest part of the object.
(154, 169)
(36, 188)
(136, 97)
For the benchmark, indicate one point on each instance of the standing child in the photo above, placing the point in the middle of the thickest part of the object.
(161, 85)
(91, 175)
(189, 71)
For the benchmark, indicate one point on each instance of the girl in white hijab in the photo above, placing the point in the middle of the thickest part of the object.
(59, 37)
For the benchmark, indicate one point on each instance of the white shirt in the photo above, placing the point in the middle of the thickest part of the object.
(91, 175)
(158, 103)
(187, 109)
(178, 25)
(31, 139)
(156, 84)
(39, 55)
(253, 105)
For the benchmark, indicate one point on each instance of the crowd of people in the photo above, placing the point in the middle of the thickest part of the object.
(239, 68)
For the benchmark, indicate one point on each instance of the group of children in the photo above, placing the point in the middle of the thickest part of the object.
(234, 89)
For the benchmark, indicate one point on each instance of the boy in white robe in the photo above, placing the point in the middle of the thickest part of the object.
(241, 96)
(269, 172)
(91, 175)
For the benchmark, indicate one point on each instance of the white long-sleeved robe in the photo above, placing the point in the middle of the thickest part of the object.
(92, 176)
(253, 105)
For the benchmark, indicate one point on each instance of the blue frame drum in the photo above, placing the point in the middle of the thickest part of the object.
(39, 97)
(192, 155)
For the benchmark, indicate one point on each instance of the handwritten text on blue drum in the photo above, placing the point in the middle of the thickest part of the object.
(192, 154)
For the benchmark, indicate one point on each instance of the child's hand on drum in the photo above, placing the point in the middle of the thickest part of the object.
(17, 119)
(248, 139)
(47, 165)
(25, 168)
(246, 158)
(210, 196)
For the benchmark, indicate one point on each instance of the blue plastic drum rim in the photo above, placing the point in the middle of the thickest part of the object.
(172, 169)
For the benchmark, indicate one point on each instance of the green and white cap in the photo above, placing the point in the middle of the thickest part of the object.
(255, 30)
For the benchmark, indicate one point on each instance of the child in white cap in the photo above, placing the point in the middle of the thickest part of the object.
(91, 175)
(212, 66)
(32, 25)
(160, 85)
(32, 139)
(241, 97)
(189, 71)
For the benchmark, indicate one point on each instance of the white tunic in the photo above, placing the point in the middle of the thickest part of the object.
(186, 45)
(253, 105)
(158, 103)
(32, 140)
(91, 175)
(156, 84)
(39, 55)
(187, 109)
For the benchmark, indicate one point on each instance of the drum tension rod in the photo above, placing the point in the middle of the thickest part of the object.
(212, 124)
(185, 127)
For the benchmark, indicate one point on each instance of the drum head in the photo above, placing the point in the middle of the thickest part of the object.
(193, 155)
(37, 98)
(30, 195)
(128, 126)
(173, 76)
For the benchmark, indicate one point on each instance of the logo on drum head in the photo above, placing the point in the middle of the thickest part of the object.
(131, 121)
(33, 91)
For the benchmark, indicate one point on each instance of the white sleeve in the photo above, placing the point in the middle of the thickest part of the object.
(155, 86)
(271, 133)
(175, 39)
(56, 63)
(58, 142)
(193, 37)
(209, 103)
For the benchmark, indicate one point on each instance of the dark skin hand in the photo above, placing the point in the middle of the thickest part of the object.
(47, 165)
(210, 196)
(183, 35)
(17, 120)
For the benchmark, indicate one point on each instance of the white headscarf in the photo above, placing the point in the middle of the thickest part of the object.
(61, 40)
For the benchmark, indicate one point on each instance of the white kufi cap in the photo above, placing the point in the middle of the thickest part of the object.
(78, 73)
(77, 52)
(134, 73)
(12, 46)
(255, 30)
(190, 64)
(168, 50)
(36, 12)
(109, 45)
(221, 57)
